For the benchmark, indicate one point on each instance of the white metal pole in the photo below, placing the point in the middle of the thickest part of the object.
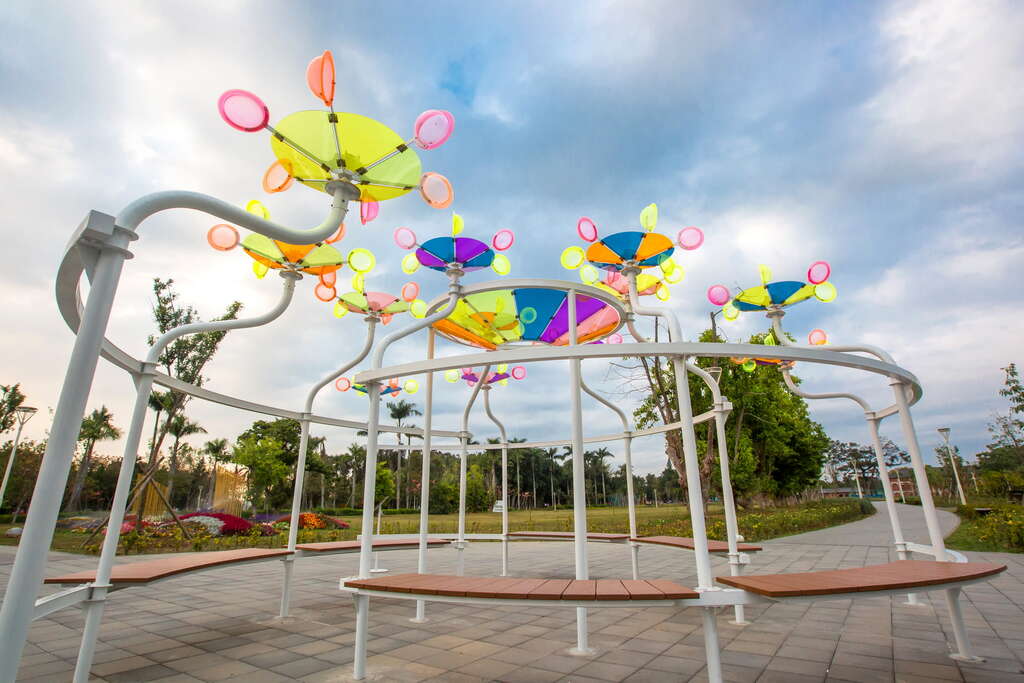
(30, 561)
(428, 425)
(460, 543)
(732, 528)
(579, 484)
(504, 477)
(300, 465)
(369, 484)
(10, 461)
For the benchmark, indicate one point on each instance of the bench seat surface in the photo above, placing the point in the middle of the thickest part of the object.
(151, 570)
(385, 544)
(892, 576)
(526, 589)
(568, 535)
(687, 543)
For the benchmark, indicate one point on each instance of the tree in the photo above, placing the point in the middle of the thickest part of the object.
(384, 488)
(179, 428)
(97, 426)
(10, 398)
(267, 470)
(477, 499)
(400, 411)
(1006, 452)
(286, 434)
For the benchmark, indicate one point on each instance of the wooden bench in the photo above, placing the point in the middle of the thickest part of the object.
(509, 588)
(900, 576)
(138, 573)
(688, 544)
(568, 536)
(339, 547)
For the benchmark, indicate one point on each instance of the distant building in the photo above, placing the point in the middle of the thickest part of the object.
(902, 485)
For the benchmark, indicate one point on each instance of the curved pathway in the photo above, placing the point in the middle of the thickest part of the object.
(876, 530)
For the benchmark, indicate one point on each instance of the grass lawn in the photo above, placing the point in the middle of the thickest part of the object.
(1000, 531)
(670, 520)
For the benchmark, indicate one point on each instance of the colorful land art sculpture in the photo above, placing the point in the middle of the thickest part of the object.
(455, 253)
(316, 148)
(500, 375)
(640, 249)
(775, 295)
(393, 388)
(494, 318)
(380, 304)
(320, 259)
(751, 364)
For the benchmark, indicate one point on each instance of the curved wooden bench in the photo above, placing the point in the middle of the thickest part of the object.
(137, 573)
(340, 547)
(509, 588)
(688, 544)
(901, 576)
(568, 536)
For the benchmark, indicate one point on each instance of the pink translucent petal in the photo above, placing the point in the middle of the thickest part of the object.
(519, 372)
(404, 238)
(690, 238)
(436, 190)
(329, 279)
(324, 292)
(368, 211)
(433, 128)
(343, 384)
(503, 239)
(719, 295)
(243, 111)
(817, 337)
(410, 291)
(819, 272)
(379, 300)
(614, 338)
(586, 229)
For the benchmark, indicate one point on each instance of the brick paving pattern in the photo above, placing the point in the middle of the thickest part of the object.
(221, 624)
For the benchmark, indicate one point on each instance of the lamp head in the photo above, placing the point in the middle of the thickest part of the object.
(24, 413)
(944, 431)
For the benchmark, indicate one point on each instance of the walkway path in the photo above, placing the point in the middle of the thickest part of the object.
(220, 625)
(875, 530)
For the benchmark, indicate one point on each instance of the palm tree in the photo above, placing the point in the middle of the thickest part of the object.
(399, 411)
(217, 449)
(599, 455)
(159, 402)
(98, 426)
(180, 427)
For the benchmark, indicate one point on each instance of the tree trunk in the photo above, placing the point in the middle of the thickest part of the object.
(75, 501)
(173, 468)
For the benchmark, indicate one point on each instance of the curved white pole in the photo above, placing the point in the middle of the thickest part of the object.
(460, 543)
(504, 479)
(454, 294)
(630, 495)
(144, 386)
(693, 488)
(300, 464)
(102, 243)
(428, 425)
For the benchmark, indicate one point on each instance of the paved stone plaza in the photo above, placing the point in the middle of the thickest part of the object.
(221, 624)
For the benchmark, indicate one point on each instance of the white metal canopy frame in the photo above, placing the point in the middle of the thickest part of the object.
(99, 249)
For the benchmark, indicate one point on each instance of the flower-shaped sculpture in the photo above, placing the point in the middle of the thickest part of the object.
(320, 259)
(638, 250)
(768, 339)
(319, 147)
(455, 254)
(500, 375)
(381, 304)
(497, 316)
(393, 388)
(775, 295)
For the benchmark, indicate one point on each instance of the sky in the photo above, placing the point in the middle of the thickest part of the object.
(885, 138)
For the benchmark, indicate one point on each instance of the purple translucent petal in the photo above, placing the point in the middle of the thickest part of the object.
(467, 247)
(559, 325)
(428, 259)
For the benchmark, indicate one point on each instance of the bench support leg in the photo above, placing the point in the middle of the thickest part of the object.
(582, 646)
(504, 556)
(362, 627)
(286, 589)
(90, 633)
(711, 649)
(635, 549)
(963, 643)
(736, 569)
(421, 612)
(903, 554)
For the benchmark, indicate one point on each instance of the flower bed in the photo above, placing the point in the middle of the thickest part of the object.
(1001, 530)
(220, 523)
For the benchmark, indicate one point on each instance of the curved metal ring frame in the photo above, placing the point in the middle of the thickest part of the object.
(99, 248)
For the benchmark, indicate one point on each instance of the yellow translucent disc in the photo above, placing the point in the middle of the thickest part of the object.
(676, 275)
(358, 282)
(457, 224)
(826, 291)
(340, 310)
(451, 376)
(502, 368)
(411, 386)
(259, 269)
(663, 293)
(410, 264)
(730, 312)
(649, 217)
(766, 274)
(572, 258)
(256, 206)
(361, 260)
(589, 274)
(501, 264)
(363, 141)
(418, 308)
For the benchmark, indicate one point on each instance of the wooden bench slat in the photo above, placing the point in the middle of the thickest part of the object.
(673, 590)
(551, 589)
(517, 589)
(568, 535)
(689, 544)
(581, 589)
(611, 589)
(152, 570)
(641, 590)
(897, 575)
(329, 546)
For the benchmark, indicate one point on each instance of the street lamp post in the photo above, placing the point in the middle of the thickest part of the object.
(23, 414)
(944, 431)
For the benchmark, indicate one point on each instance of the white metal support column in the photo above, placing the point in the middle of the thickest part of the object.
(428, 425)
(504, 476)
(460, 543)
